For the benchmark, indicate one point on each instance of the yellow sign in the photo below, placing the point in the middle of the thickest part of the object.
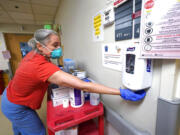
(97, 24)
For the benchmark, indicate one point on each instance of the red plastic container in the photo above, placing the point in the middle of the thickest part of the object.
(88, 128)
(59, 118)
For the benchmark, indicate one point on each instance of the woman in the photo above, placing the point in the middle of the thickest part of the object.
(26, 90)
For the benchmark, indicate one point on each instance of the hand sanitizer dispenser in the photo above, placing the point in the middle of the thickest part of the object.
(137, 73)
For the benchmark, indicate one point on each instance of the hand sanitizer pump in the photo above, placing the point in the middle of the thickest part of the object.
(137, 73)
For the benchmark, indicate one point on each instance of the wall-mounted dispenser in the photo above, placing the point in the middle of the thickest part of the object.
(137, 73)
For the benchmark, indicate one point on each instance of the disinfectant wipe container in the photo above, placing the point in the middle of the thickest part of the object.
(69, 64)
(76, 98)
(94, 98)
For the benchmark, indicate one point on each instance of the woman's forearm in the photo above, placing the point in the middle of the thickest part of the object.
(98, 88)
(64, 79)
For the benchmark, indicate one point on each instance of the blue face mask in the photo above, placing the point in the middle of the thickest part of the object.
(57, 53)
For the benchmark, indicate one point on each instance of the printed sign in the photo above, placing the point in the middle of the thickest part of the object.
(98, 31)
(6, 54)
(160, 29)
(112, 56)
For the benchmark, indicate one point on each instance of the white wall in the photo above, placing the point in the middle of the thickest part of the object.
(177, 83)
(75, 17)
(18, 28)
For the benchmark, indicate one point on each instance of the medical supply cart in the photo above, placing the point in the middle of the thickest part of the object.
(59, 118)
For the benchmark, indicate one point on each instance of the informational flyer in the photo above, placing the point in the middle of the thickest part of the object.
(98, 28)
(3, 60)
(112, 56)
(160, 29)
(6, 54)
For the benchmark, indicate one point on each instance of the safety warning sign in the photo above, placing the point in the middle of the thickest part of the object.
(160, 29)
(98, 31)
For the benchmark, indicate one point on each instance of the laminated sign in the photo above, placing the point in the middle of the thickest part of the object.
(98, 31)
(160, 29)
(112, 56)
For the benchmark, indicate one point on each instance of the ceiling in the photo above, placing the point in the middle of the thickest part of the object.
(36, 12)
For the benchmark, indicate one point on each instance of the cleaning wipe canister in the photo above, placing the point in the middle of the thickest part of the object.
(79, 73)
(94, 98)
(69, 64)
(76, 98)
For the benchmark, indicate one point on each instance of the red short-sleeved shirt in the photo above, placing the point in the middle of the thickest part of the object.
(29, 84)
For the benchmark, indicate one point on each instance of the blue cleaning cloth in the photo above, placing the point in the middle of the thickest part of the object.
(127, 94)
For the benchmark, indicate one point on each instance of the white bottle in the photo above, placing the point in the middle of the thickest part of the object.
(94, 98)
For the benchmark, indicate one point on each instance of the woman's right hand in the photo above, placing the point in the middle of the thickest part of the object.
(127, 94)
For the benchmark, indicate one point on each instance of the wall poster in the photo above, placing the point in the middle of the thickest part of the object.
(112, 56)
(98, 29)
(160, 29)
